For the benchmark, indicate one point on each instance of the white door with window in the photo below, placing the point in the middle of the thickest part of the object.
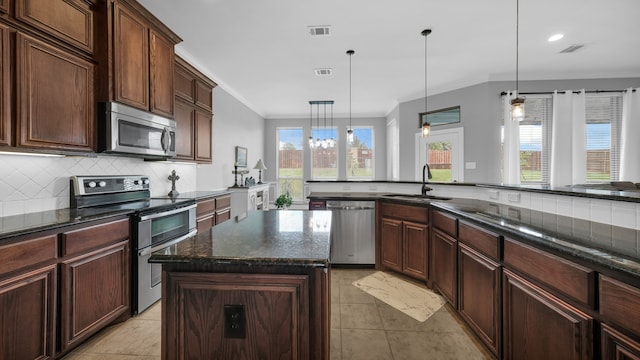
(443, 150)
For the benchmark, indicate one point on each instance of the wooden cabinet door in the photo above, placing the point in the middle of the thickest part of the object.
(55, 97)
(479, 295)
(391, 244)
(185, 130)
(203, 136)
(161, 69)
(27, 315)
(95, 291)
(616, 345)
(538, 325)
(131, 58)
(4, 5)
(415, 250)
(204, 95)
(68, 20)
(443, 265)
(5, 87)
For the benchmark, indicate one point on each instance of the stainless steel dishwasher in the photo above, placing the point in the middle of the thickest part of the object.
(352, 232)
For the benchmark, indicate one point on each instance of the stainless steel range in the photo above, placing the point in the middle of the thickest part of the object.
(157, 223)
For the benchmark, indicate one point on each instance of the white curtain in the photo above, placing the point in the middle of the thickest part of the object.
(568, 139)
(630, 130)
(511, 150)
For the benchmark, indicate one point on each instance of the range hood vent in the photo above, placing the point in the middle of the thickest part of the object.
(324, 72)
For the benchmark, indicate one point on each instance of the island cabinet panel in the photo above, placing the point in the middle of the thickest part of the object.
(538, 325)
(68, 20)
(570, 280)
(27, 315)
(616, 345)
(479, 295)
(95, 291)
(55, 93)
(276, 316)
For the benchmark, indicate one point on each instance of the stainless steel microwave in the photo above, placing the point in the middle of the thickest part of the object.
(126, 130)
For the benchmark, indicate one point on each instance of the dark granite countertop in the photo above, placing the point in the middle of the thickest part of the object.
(274, 237)
(606, 246)
(199, 195)
(346, 195)
(24, 224)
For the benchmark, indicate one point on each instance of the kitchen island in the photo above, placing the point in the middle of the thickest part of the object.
(250, 288)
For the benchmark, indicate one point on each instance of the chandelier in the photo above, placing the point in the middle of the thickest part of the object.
(324, 143)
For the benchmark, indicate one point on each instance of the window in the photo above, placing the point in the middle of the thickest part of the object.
(290, 142)
(443, 150)
(360, 154)
(324, 158)
(604, 114)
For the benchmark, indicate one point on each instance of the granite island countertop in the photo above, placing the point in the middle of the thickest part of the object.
(274, 237)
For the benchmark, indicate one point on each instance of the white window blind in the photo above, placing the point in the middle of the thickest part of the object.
(535, 135)
(603, 117)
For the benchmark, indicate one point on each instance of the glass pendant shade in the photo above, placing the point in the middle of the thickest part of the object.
(426, 129)
(517, 109)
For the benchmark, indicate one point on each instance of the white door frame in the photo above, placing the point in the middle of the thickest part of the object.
(453, 135)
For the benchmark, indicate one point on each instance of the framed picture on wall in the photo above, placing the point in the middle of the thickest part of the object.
(241, 156)
(444, 116)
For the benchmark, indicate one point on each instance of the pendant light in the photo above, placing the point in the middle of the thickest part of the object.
(310, 125)
(426, 127)
(350, 129)
(332, 141)
(324, 143)
(517, 103)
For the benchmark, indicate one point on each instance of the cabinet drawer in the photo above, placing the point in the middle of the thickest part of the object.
(94, 236)
(205, 207)
(223, 202)
(222, 216)
(620, 304)
(184, 82)
(446, 223)
(572, 280)
(405, 212)
(27, 253)
(486, 242)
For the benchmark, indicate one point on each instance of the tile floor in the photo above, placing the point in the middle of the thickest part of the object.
(362, 327)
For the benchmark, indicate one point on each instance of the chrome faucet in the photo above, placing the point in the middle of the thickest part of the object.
(425, 188)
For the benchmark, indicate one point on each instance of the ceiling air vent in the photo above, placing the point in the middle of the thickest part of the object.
(324, 30)
(572, 48)
(324, 72)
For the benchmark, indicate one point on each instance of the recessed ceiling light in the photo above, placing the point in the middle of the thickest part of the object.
(555, 37)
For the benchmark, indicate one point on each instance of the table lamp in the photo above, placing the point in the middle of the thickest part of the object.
(260, 166)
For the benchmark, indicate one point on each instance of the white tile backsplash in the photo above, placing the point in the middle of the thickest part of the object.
(623, 214)
(564, 206)
(601, 211)
(581, 208)
(33, 183)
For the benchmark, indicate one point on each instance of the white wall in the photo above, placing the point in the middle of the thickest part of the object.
(234, 124)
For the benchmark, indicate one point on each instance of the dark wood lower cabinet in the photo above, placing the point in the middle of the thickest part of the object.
(479, 295)
(443, 265)
(94, 292)
(616, 345)
(537, 325)
(27, 315)
(415, 255)
(391, 244)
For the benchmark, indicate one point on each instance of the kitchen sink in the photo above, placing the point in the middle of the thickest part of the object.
(417, 197)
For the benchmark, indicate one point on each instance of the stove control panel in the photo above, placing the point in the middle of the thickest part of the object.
(87, 185)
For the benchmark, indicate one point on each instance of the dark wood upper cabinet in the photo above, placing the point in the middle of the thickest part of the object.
(4, 5)
(131, 58)
(161, 68)
(203, 130)
(5, 87)
(71, 21)
(55, 91)
(185, 130)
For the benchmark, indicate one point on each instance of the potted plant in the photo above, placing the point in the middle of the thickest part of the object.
(284, 200)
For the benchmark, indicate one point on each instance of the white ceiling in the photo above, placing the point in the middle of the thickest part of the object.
(260, 51)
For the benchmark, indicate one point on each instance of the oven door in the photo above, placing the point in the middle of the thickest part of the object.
(148, 282)
(157, 228)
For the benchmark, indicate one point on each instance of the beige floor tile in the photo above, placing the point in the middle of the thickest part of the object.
(84, 356)
(347, 276)
(152, 313)
(365, 344)
(359, 316)
(336, 322)
(336, 344)
(133, 337)
(410, 345)
(335, 291)
(350, 294)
